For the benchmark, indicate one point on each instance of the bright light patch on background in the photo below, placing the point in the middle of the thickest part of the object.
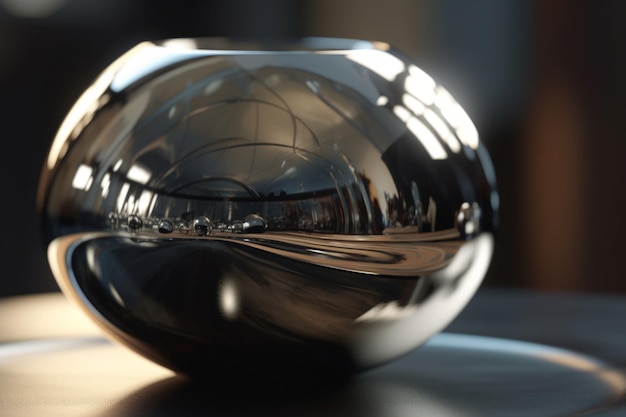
(34, 9)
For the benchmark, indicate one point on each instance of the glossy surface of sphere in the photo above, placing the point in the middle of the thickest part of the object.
(318, 208)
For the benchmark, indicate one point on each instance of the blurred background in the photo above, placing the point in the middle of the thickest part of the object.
(542, 80)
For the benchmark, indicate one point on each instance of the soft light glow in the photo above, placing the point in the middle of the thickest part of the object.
(36, 313)
(12, 351)
(139, 174)
(83, 178)
(229, 299)
(153, 202)
(34, 9)
(382, 63)
(427, 138)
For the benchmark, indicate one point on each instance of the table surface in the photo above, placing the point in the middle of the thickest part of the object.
(509, 353)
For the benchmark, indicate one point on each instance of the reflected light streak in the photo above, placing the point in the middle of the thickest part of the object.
(386, 311)
(116, 295)
(443, 130)
(139, 174)
(413, 104)
(121, 198)
(402, 113)
(130, 203)
(420, 85)
(313, 86)
(148, 61)
(92, 262)
(118, 165)
(84, 107)
(382, 63)
(457, 118)
(83, 178)
(427, 138)
(105, 184)
(612, 378)
(144, 202)
(12, 351)
(213, 86)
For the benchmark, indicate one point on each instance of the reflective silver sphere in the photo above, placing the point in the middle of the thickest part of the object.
(316, 208)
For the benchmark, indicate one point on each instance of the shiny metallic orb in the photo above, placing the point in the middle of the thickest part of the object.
(202, 226)
(135, 222)
(315, 209)
(253, 223)
(165, 226)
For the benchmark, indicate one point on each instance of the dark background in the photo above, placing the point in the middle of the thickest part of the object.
(543, 81)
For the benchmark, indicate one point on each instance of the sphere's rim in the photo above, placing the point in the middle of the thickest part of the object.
(313, 44)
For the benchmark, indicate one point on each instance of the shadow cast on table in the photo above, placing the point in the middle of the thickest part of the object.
(179, 395)
(453, 375)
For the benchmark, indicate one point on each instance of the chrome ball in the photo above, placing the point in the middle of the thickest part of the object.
(316, 208)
